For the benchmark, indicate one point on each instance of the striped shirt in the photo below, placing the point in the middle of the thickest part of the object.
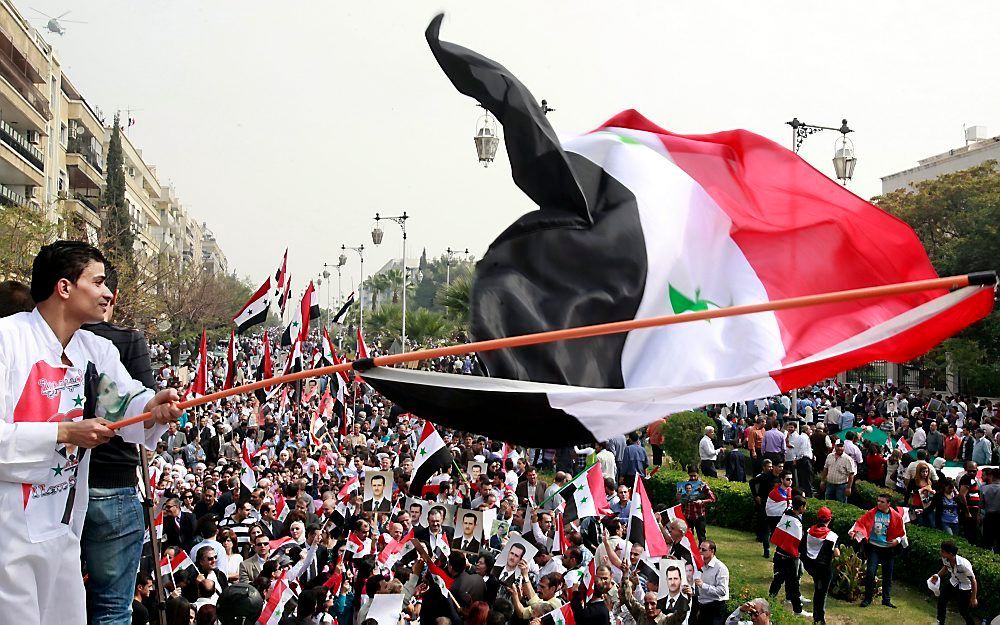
(242, 531)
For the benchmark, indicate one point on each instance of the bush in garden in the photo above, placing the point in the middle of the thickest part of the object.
(681, 434)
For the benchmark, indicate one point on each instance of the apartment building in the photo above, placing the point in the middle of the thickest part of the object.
(53, 152)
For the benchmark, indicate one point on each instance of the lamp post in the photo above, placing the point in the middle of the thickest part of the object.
(341, 261)
(361, 285)
(450, 252)
(377, 240)
(844, 159)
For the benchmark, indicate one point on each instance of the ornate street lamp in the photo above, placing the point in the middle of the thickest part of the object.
(844, 159)
(450, 253)
(377, 238)
(487, 138)
(361, 285)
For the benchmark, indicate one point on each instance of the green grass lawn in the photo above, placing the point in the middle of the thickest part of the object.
(751, 575)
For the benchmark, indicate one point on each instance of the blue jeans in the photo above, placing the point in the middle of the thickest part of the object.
(111, 545)
(885, 556)
(950, 529)
(836, 491)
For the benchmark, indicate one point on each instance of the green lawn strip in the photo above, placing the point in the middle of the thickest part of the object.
(750, 576)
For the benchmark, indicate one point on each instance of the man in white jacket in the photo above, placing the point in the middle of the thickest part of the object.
(46, 366)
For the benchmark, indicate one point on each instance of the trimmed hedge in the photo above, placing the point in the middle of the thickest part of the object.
(734, 509)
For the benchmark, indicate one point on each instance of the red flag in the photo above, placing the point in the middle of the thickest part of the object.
(396, 549)
(198, 386)
(362, 348)
(230, 362)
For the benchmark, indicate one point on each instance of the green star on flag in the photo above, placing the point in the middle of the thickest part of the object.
(682, 303)
(57, 470)
(423, 451)
(78, 401)
(788, 524)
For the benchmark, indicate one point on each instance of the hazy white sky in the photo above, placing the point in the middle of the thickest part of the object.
(292, 123)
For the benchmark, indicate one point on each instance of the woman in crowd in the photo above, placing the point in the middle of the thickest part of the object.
(919, 495)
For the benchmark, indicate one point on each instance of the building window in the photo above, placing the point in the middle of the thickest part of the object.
(63, 135)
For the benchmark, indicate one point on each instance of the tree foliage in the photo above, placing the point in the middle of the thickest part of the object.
(117, 239)
(455, 300)
(957, 218)
(681, 434)
(23, 230)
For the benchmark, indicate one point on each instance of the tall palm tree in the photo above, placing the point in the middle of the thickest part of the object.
(455, 299)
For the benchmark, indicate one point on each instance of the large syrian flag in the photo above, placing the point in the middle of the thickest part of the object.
(255, 310)
(432, 455)
(199, 386)
(642, 527)
(636, 222)
(562, 615)
(585, 495)
(343, 309)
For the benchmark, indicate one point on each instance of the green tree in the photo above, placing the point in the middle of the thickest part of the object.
(957, 218)
(681, 434)
(23, 230)
(117, 237)
(455, 300)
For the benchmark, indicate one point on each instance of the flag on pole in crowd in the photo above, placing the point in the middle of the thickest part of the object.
(230, 378)
(753, 213)
(326, 349)
(585, 495)
(277, 600)
(560, 616)
(248, 477)
(349, 488)
(265, 369)
(298, 326)
(255, 310)
(284, 297)
(313, 302)
(560, 543)
(281, 509)
(640, 518)
(180, 562)
(199, 386)
(359, 548)
(279, 276)
(431, 456)
(362, 346)
(343, 309)
(396, 549)
(158, 527)
(903, 445)
(788, 534)
(441, 578)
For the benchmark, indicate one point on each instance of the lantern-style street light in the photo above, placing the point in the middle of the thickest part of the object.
(377, 239)
(451, 253)
(844, 159)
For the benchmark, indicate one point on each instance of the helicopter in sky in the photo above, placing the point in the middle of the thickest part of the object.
(55, 24)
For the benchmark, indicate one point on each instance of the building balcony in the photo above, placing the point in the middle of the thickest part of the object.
(10, 198)
(82, 173)
(21, 76)
(89, 202)
(83, 207)
(19, 144)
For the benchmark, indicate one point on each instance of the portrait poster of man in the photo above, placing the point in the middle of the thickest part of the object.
(447, 511)
(378, 492)
(469, 530)
(507, 569)
(417, 509)
(475, 470)
(673, 577)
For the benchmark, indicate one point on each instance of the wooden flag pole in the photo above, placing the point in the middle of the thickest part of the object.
(614, 327)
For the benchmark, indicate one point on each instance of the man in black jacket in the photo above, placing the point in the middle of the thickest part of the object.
(111, 544)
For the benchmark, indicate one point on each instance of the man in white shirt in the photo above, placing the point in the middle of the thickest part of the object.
(712, 585)
(956, 580)
(609, 468)
(47, 365)
(707, 453)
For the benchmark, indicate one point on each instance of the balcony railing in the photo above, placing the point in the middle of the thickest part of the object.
(19, 144)
(86, 201)
(9, 198)
(81, 147)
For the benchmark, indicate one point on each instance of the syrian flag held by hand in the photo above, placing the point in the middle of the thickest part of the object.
(642, 526)
(788, 534)
(280, 275)
(248, 477)
(362, 346)
(180, 562)
(396, 549)
(255, 310)
(431, 456)
(440, 578)
(903, 445)
(284, 296)
(640, 222)
(560, 616)
(265, 370)
(585, 495)
(277, 599)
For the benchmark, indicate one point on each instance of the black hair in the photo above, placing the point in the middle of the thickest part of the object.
(15, 297)
(949, 546)
(58, 261)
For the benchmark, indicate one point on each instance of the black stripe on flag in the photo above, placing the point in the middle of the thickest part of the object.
(439, 460)
(475, 404)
